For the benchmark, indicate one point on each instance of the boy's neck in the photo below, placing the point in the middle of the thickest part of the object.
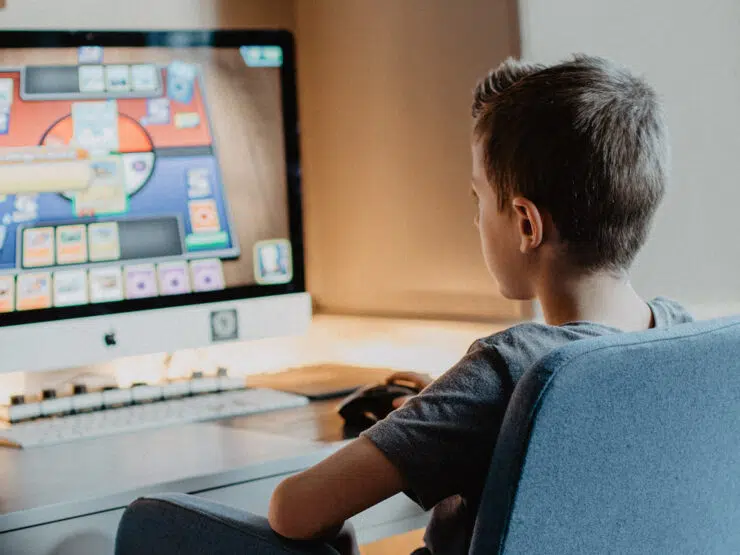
(602, 298)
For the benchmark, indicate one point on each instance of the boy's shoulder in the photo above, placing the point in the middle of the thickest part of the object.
(516, 349)
(521, 346)
(668, 312)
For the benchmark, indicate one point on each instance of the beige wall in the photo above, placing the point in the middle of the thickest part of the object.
(385, 100)
(150, 14)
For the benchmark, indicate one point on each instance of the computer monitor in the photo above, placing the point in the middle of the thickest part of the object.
(149, 193)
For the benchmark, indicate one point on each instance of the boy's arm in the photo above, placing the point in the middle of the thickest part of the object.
(315, 503)
(440, 443)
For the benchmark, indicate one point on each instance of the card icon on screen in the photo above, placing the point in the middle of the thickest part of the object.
(92, 79)
(118, 78)
(103, 241)
(207, 275)
(144, 77)
(273, 262)
(187, 120)
(7, 293)
(106, 193)
(95, 125)
(181, 81)
(173, 278)
(4, 123)
(90, 55)
(70, 287)
(71, 244)
(157, 111)
(38, 247)
(33, 291)
(140, 281)
(204, 216)
(199, 182)
(6, 94)
(106, 284)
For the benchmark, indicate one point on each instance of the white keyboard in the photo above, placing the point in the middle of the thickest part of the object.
(133, 418)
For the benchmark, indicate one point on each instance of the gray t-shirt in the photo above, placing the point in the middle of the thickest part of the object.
(442, 440)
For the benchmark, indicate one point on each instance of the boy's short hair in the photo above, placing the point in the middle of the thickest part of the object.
(584, 140)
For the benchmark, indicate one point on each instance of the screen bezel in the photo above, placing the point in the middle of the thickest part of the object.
(186, 39)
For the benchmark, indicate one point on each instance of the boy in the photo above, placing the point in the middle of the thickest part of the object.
(570, 162)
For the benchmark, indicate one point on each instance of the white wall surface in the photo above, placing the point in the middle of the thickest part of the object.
(690, 52)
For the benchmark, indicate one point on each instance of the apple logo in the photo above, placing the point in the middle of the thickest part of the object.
(110, 339)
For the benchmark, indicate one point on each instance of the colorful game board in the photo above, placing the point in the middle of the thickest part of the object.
(143, 149)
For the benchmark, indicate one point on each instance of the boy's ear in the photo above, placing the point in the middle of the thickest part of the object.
(529, 223)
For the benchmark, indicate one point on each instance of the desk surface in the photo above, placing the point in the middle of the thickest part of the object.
(51, 483)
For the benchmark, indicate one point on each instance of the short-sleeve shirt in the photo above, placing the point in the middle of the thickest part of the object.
(442, 440)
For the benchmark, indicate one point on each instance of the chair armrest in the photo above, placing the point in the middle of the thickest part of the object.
(177, 523)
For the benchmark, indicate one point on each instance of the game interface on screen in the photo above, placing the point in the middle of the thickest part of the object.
(111, 188)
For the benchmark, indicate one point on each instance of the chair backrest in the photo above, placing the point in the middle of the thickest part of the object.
(628, 443)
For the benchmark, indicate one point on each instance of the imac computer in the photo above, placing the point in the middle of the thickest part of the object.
(149, 194)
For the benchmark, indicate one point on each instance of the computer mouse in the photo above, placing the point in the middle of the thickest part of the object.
(371, 403)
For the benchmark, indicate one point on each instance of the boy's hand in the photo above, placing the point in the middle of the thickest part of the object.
(413, 379)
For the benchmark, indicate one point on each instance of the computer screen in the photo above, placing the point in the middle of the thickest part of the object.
(144, 171)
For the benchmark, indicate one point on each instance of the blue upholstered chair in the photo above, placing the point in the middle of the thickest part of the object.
(628, 443)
